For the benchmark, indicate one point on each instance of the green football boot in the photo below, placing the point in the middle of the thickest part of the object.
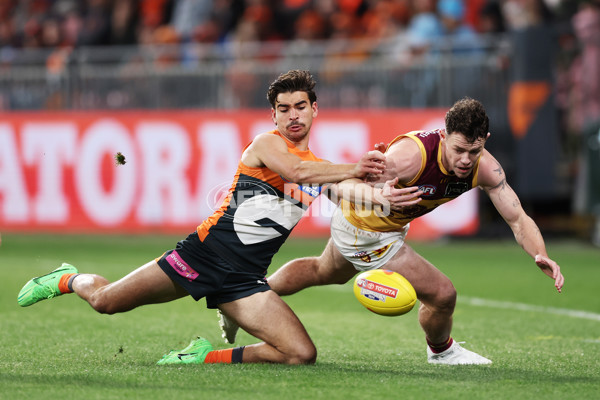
(194, 353)
(44, 287)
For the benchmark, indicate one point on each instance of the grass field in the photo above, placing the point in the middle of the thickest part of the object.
(544, 345)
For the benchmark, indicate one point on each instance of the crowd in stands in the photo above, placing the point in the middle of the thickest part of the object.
(51, 23)
(62, 25)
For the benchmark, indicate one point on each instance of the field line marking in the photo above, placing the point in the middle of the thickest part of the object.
(476, 301)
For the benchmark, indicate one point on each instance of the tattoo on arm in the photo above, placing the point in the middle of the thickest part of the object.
(501, 184)
(500, 171)
(516, 203)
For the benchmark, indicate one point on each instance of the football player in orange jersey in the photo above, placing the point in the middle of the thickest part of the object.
(443, 164)
(225, 259)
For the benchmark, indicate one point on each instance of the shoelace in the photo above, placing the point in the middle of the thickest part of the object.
(47, 287)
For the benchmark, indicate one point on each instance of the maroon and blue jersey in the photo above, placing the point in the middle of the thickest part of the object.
(438, 186)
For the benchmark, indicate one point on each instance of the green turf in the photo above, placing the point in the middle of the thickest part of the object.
(61, 348)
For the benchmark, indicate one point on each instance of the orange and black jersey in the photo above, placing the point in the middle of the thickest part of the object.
(258, 214)
(437, 184)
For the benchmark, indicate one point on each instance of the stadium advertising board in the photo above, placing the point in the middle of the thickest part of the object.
(58, 172)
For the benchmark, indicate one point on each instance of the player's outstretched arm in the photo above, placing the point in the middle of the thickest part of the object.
(551, 268)
(272, 151)
(493, 181)
(384, 194)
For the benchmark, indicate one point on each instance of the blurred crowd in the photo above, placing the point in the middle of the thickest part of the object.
(51, 23)
(58, 26)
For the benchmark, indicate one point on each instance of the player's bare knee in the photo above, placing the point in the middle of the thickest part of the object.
(442, 299)
(103, 303)
(97, 304)
(327, 275)
(303, 355)
(446, 298)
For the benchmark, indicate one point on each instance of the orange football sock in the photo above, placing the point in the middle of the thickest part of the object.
(63, 283)
(227, 356)
(219, 357)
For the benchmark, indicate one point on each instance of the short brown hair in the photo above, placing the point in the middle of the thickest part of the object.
(292, 81)
(467, 116)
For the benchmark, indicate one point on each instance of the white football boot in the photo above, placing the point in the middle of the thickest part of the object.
(455, 355)
(228, 328)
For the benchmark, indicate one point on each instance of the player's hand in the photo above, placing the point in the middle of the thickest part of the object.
(400, 198)
(551, 268)
(372, 162)
(380, 147)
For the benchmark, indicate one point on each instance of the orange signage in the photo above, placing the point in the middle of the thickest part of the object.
(58, 172)
(524, 102)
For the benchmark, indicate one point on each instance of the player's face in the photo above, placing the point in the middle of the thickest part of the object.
(459, 156)
(293, 114)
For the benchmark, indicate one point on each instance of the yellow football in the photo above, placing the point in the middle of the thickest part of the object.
(384, 292)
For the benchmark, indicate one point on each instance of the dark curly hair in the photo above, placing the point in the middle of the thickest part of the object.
(292, 81)
(467, 116)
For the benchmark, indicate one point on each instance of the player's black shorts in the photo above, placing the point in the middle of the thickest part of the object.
(202, 273)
